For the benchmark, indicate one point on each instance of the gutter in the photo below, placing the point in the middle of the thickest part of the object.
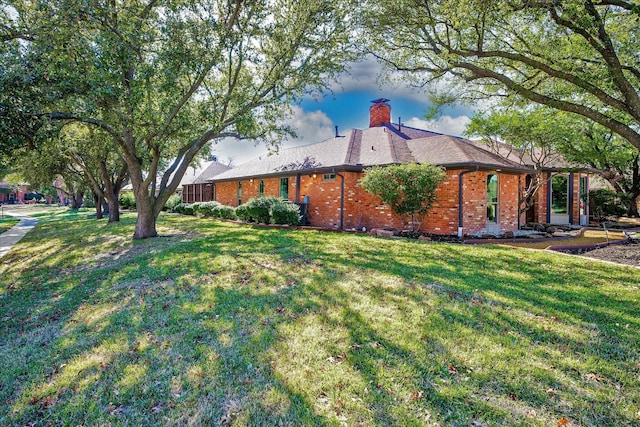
(460, 200)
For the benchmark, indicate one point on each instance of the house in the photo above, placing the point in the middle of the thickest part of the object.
(12, 194)
(479, 195)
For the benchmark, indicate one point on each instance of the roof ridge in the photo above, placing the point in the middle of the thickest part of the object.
(353, 149)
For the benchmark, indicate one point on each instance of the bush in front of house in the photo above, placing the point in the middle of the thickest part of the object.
(285, 213)
(207, 209)
(225, 212)
(173, 201)
(127, 200)
(259, 208)
(409, 189)
(184, 209)
(242, 212)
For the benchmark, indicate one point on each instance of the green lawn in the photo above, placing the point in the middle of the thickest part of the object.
(217, 323)
(7, 222)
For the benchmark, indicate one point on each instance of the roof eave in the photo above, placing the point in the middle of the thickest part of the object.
(308, 171)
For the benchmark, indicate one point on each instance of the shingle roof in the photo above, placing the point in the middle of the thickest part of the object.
(214, 168)
(382, 145)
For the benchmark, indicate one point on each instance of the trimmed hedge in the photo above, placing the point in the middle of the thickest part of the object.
(184, 209)
(285, 213)
(225, 212)
(242, 212)
(259, 208)
(207, 209)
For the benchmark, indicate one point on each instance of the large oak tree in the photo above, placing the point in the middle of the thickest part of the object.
(163, 78)
(578, 56)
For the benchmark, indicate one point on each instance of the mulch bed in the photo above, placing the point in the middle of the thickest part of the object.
(626, 253)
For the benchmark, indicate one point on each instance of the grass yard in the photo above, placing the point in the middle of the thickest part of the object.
(7, 222)
(223, 324)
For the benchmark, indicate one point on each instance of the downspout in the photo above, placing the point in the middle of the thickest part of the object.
(460, 199)
(341, 200)
(548, 218)
(298, 188)
(519, 198)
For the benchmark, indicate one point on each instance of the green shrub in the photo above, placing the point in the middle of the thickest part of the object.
(285, 213)
(184, 209)
(173, 201)
(605, 203)
(260, 208)
(127, 200)
(207, 209)
(225, 212)
(242, 212)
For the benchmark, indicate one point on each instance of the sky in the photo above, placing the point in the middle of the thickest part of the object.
(347, 106)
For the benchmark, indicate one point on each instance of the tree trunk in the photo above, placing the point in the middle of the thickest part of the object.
(105, 206)
(97, 200)
(77, 199)
(146, 222)
(114, 209)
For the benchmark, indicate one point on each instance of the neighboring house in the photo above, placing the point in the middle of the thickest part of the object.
(196, 188)
(12, 193)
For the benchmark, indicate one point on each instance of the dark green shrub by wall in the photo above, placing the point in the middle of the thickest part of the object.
(285, 213)
(259, 208)
(184, 209)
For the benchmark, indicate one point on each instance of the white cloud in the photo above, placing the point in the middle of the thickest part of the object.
(310, 127)
(443, 124)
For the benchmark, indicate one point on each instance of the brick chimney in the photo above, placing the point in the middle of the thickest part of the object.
(379, 112)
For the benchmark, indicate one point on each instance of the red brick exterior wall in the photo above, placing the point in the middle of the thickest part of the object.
(361, 209)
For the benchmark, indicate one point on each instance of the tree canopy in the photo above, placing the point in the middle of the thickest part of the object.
(164, 78)
(572, 55)
(543, 137)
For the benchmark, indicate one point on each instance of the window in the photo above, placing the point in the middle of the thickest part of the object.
(261, 188)
(559, 194)
(584, 195)
(492, 198)
(329, 177)
(284, 188)
(239, 193)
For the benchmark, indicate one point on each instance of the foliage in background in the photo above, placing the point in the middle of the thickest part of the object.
(127, 200)
(409, 190)
(605, 203)
(172, 202)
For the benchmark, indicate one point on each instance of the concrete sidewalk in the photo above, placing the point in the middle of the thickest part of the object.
(12, 236)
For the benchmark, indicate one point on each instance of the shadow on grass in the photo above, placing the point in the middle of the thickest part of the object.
(223, 324)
